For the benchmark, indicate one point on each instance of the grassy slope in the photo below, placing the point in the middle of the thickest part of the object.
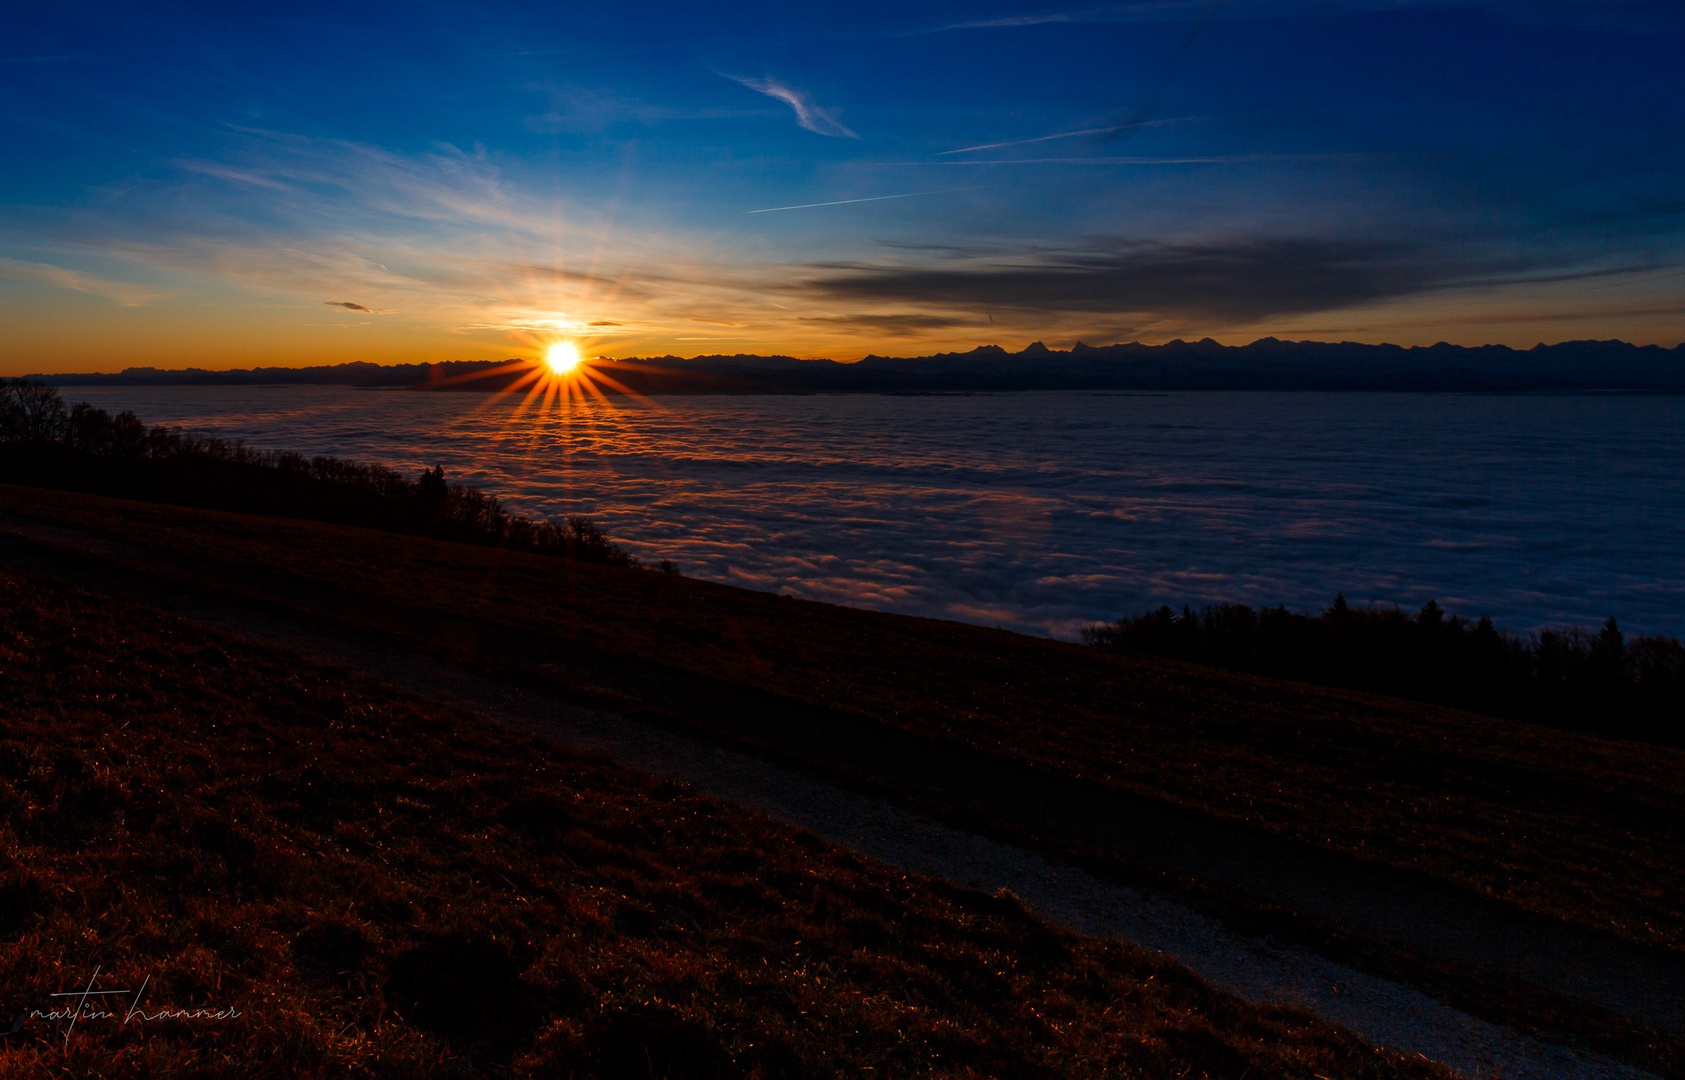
(1580, 828)
(378, 884)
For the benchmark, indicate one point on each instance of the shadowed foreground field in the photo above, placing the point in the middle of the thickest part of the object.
(1566, 825)
(379, 885)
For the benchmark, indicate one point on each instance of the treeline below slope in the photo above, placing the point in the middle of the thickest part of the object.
(1599, 683)
(45, 443)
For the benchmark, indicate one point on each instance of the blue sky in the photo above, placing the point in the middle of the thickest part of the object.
(200, 184)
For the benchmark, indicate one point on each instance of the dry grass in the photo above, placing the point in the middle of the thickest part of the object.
(382, 887)
(1588, 830)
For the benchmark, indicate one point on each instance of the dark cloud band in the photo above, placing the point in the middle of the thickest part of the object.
(1238, 281)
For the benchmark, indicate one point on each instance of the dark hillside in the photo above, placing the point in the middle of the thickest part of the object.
(1558, 823)
(339, 879)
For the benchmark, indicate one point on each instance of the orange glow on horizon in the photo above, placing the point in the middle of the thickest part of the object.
(558, 378)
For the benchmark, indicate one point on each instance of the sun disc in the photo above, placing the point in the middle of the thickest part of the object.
(562, 357)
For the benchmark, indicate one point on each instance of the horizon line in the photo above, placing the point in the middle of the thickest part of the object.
(1035, 348)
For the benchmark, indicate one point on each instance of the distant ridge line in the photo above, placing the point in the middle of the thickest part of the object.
(1266, 364)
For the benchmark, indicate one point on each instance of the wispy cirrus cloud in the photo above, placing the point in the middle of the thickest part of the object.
(1629, 15)
(1009, 21)
(1152, 11)
(219, 171)
(1115, 159)
(589, 110)
(808, 115)
(893, 322)
(124, 293)
(447, 241)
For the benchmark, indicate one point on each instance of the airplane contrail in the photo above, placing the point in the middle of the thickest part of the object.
(1107, 130)
(1215, 159)
(1138, 119)
(845, 202)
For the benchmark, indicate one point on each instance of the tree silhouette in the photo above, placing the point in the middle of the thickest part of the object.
(84, 448)
(1563, 677)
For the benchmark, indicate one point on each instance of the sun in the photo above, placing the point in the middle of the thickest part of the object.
(562, 357)
(561, 375)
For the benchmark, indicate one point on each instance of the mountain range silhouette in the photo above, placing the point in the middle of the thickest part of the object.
(1266, 364)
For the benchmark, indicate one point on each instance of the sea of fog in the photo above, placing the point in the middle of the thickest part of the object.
(1045, 512)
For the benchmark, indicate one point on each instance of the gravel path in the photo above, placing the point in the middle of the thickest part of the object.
(1258, 969)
